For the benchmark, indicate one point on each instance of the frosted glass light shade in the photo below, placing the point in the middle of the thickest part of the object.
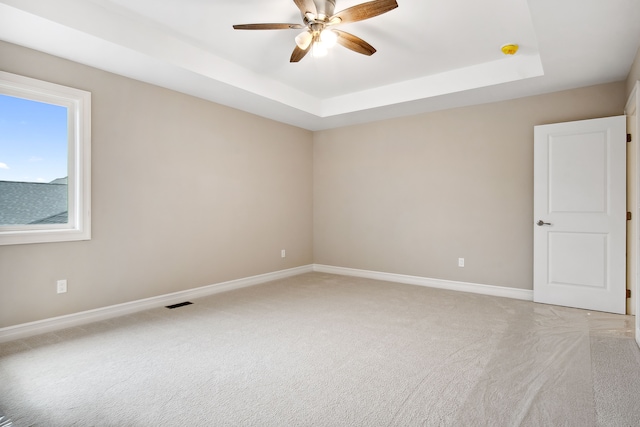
(328, 38)
(303, 40)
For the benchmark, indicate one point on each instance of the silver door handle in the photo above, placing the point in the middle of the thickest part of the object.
(541, 223)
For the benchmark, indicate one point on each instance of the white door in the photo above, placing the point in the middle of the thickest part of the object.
(580, 214)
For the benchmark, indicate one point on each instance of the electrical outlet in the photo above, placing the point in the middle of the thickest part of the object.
(61, 286)
(460, 262)
(283, 253)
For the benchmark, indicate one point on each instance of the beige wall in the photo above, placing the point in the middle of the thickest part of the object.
(412, 195)
(186, 193)
(634, 74)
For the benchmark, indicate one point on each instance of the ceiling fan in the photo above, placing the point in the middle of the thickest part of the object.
(319, 22)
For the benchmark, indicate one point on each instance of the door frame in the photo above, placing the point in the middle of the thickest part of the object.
(633, 108)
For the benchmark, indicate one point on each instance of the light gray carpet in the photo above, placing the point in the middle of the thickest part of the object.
(326, 350)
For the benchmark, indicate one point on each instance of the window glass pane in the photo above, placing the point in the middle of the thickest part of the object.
(33, 162)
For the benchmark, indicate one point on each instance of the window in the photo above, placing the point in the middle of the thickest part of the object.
(45, 161)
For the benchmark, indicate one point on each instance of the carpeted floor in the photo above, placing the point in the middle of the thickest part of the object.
(326, 350)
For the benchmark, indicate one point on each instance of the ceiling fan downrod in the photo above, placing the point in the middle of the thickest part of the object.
(324, 9)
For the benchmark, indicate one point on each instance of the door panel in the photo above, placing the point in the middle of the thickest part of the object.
(575, 259)
(583, 188)
(580, 214)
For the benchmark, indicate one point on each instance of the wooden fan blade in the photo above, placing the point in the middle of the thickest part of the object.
(363, 11)
(298, 53)
(306, 6)
(354, 43)
(268, 26)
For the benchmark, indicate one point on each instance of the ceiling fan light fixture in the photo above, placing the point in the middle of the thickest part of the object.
(328, 38)
(303, 40)
(318, 50)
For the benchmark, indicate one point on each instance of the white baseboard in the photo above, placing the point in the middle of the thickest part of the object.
(56, 323)
(498, 291)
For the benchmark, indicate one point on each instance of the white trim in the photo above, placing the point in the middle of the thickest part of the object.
(476, 288)
(630, 109)
(630, 106)
(635, 109)
(82, 318)
(76, 319)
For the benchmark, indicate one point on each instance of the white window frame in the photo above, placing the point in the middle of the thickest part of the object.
(78, 104)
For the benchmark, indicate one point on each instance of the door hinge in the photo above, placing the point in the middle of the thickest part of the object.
(628, 216)
(628, 137)
(628, 293)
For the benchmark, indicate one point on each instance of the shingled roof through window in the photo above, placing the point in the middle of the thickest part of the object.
(33, 203)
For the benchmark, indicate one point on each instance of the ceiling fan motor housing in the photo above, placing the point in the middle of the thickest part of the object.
(325, 8)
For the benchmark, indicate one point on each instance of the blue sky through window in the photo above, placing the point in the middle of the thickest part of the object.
(33, 140)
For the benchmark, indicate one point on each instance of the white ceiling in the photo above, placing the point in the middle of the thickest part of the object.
(430, 55)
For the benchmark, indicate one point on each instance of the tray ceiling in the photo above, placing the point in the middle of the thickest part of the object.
(430, 55)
